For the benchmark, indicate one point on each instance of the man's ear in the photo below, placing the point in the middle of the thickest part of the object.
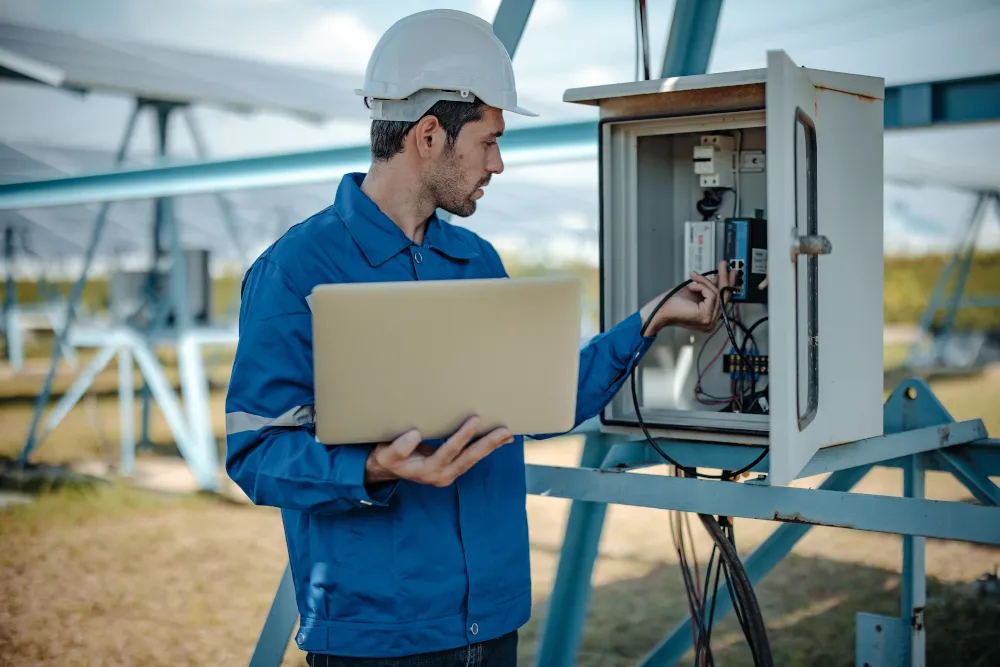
(429, 136)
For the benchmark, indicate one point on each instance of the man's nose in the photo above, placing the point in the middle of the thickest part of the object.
(495, 163)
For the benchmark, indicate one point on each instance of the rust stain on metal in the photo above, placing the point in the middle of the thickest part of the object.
(794, 518)
(863, 98)
(917, 620)
(944, 433)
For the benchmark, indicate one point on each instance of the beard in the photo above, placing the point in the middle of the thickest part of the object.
(450, 190)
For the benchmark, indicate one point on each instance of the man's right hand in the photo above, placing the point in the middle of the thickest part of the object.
(405, 459)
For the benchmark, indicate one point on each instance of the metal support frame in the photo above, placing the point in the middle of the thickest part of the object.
(10, 324)
(607, 476)
(931, 346)
(190, 423)
(970, 100)
(509, 22)
(692, 32)
(558, 142)
(225, 206)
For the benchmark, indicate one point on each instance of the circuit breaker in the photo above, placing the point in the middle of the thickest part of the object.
(777, 172)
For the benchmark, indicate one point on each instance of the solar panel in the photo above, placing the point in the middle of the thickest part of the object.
(171, 75)
(64, 231)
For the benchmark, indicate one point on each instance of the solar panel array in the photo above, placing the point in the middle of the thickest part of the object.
(160, 73)
(520, 204)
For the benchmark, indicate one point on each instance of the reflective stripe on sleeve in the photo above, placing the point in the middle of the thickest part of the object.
(240, 422)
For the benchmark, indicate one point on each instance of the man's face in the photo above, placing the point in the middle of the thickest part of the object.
(457, 178)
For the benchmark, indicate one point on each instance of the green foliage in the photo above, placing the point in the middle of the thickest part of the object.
(909, 282)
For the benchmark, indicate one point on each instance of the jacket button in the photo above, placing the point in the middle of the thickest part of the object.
(474, 629)
(301, 638)
(417, 257)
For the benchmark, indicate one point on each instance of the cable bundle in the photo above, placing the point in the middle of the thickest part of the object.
(724, 556)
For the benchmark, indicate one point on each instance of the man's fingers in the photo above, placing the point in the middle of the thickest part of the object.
(451, 448)
(477, 451)
(401, 448)
(724, 279)
(699, 279)
(709, 292)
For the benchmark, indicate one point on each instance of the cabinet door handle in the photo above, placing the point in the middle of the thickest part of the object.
(812, 244)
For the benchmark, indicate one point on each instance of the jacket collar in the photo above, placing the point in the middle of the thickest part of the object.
(379, 238)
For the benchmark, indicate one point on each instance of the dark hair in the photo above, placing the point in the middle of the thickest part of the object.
(387, 135)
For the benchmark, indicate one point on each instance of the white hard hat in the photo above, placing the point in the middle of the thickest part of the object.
(439, 54)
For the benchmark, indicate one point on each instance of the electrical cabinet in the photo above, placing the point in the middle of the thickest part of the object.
(779, 172)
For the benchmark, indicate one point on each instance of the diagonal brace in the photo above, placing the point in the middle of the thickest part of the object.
(978, 484)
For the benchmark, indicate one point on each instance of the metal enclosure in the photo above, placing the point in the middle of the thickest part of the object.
(798, 153)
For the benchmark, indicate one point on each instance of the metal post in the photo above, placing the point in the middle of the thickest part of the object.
(978, 216)
(278, 625)
(74, 298)
(173, 413)
(509, 22)
(203, 457)
(194, 387)
(914, 580)
(692, 32)
(914, 576)
(126, 393)
(12, 322)
(967, 240)
(225, 206)
(562, 627)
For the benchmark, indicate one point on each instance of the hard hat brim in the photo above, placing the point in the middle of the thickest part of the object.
(522, 111)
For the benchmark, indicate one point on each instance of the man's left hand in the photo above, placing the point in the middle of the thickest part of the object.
(695, 307)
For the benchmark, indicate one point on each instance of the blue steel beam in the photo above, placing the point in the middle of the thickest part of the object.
(692, 32)
(871, 451)
(566, 611)
(968, 100)
(278, 626)
(529, 146)
(882, 514)
(534, 145)
(976, 481)
(509, 22)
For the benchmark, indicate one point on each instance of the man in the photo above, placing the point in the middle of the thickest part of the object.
(407, 548)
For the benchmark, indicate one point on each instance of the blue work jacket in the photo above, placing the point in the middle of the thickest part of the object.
(400, 568)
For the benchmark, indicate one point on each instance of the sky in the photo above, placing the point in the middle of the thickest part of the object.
(567, 43)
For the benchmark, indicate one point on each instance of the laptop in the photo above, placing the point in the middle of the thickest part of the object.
(391, 356)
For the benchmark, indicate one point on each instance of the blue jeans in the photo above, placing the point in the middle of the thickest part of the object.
(499, 652)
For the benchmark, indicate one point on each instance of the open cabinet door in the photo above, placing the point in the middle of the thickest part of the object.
(825, 287)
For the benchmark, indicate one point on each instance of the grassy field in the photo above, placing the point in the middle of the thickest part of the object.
(115, 575)
(909, 283)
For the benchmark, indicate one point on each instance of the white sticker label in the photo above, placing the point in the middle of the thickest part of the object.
(758, 261)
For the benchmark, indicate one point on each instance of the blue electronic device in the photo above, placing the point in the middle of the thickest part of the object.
(745, 249)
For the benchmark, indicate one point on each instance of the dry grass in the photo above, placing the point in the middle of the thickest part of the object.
(119, 576)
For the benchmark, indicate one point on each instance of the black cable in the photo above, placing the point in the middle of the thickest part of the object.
(635, 398)
(693, 607)
(711, 612)
(706, 639)
(754, 630)
(754, 395)
(737, 606)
